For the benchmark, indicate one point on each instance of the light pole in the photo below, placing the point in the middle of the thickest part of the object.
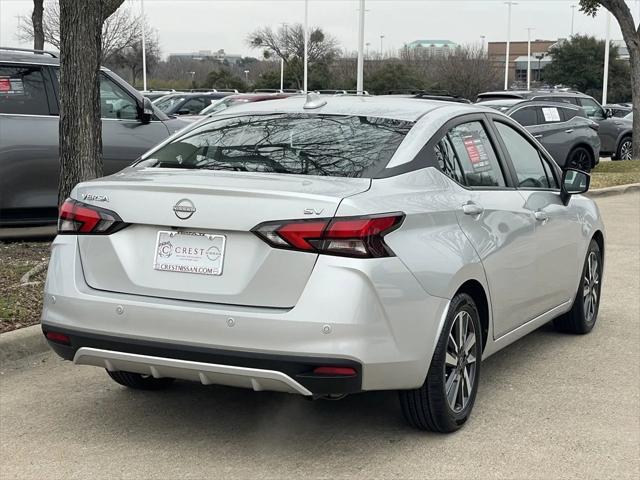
(366, 52)
(483, 39)
(573, 17)
(193, 83)
(285, 43)
(381, 50)
(529, 57)
(605, 82)
(506, 63)
(144, 48)
(360, 72)
(540, 56)
(306, 44)
(246, 77)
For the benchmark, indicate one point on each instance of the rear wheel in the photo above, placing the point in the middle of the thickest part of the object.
(580, 158)
(445, 400)
(140, 382)
(584, 312)
(625, 149)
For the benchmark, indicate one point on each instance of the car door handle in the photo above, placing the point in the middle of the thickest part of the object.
(472, 209)
(541, 216)
(537, 136)
(569, 131)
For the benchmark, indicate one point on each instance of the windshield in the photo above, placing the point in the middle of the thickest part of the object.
(326, 145)
(166, 103)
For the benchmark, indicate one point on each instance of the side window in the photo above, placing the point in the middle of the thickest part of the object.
(466, 155)
(557, 99)
(526, 159)
(526, 116)
(592, 108)
(550, 114)
(115, 102)
(22, 91)
(568, 113)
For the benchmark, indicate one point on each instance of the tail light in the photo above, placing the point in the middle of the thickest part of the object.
(361, 237)
(79, 218)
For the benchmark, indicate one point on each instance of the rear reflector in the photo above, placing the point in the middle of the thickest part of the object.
(344, 236)
(79, 218)
(58, 338)
(336, 371)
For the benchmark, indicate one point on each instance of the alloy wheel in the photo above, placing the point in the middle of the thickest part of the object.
(580, 160)
(460, 363)
(626, 150)
(591, 287)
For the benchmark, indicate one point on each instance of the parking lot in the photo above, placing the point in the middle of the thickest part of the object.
(549, 406)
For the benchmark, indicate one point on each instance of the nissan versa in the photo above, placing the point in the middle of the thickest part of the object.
(325, 246)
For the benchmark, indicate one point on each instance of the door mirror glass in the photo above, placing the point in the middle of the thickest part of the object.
(575, 182)
(608, 113)
(184, 111)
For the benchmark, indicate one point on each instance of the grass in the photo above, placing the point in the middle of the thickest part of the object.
(20, 305)
(609, 174)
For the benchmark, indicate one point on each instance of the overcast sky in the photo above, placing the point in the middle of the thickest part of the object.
(191, 25)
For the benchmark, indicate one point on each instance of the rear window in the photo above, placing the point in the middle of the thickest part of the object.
(325, 145)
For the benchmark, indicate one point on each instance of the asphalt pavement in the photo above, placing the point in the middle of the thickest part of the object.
(549, 406)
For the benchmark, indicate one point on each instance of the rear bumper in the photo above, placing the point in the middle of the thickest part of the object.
(258, 371)
(371, 315)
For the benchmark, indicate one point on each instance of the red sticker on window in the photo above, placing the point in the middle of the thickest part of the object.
(472, 150)
(5, 84)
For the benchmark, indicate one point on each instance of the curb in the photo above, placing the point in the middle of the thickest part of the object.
(617, 190)
(21, 343)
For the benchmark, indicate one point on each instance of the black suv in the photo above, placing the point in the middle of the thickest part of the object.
(615, 133)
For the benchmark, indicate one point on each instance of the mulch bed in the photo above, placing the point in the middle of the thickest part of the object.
(21, 304)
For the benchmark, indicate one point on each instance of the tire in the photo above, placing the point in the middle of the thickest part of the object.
(580, 158)
(140, 382)
(429, 407)
(584, 312)
(625, 149)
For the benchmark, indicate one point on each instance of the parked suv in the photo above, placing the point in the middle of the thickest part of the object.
(563, 129)
(181, 103)
(29, 113)
(614, 133)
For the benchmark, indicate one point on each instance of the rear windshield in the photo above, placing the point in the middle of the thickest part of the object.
(325, 145)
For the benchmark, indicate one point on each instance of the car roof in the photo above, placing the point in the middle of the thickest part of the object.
(407, 109)
(528, 94)
(11, 56)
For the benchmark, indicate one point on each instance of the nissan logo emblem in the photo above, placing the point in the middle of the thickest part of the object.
(184, 209)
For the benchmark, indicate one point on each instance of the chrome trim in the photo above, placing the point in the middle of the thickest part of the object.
(205, 373)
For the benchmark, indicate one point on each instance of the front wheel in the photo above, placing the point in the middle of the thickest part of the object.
(444, 401)
(584, 312)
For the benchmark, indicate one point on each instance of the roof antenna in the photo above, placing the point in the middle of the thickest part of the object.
(314, 100)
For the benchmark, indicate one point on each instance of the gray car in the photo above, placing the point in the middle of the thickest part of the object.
(563, 129)
(324, 246)
(615, 134)
(29, 114)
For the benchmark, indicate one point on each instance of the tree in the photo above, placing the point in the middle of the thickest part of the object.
(393, 76)
(121, 30)
(631, 34)
(36, 21)
(223, 78)
(130, 58)
(573, 66)
(80, 124)
(287, 43)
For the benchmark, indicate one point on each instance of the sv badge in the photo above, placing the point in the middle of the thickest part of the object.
(313, 211)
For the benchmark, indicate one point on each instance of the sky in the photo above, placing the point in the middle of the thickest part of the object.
(192, 25)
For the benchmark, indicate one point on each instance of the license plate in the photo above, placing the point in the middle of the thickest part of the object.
(189, 252)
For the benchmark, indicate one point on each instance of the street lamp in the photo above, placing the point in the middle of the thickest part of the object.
(529, 57)
(510, 4)
(285, 43)
(540, 56)
(367, 45)
(193, 83)
(573, 17)
(360, 67)
(381, 50)
(246, 76)
(483, 39)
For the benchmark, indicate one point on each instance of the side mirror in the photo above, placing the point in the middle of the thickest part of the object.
(146, 112)
(183, 111)
(608, 113)
(574, 182)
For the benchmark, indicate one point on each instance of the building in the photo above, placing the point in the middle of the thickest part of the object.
(540, 58)
(436, 48)
(203, 55)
